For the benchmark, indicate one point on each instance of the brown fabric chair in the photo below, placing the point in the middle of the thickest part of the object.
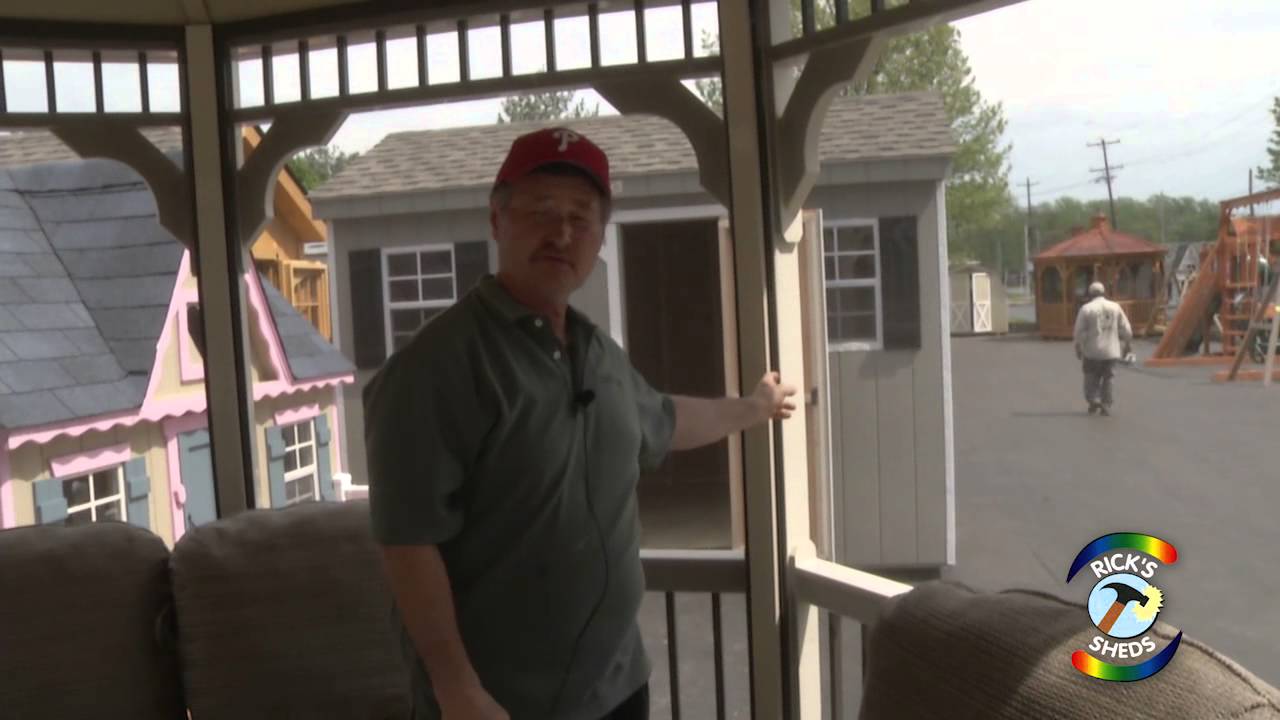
(82, 615)
(286, 614)
(945, 651)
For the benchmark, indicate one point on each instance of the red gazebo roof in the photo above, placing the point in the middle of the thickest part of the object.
(1100, 239)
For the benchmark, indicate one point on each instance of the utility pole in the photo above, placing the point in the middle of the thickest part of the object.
(1251, 210)
(1026, 239)
(1108, 174)
(1000, 256)
(1162, 217)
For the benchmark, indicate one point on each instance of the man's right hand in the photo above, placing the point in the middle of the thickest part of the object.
(471, 703)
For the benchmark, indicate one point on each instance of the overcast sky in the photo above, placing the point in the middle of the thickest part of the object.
(1185, 85)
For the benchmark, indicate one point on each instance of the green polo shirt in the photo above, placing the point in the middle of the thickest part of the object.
(476, 444)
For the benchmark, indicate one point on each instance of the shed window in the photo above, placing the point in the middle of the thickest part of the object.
(1144, 280)
(418, 284)
(1051, 286)
(1125, 282)
(1081, 279)
(852, 270)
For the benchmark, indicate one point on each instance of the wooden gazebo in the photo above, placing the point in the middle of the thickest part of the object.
(1132, 268)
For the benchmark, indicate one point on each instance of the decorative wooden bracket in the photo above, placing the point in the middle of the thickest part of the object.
(800, 126)
(290, 132)
(664, 95)
(99, 137)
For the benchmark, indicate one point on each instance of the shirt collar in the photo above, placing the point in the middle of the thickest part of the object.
(500, 300)
(512, 310)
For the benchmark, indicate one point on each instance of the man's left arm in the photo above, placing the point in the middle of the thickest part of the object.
(702, 421)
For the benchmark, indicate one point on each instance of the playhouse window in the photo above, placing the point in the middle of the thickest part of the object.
(96, 497)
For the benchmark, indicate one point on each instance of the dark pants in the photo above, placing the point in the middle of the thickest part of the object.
(635, 707)
(1097, 382)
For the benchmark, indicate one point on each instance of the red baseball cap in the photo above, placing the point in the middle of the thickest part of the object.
(555, 146)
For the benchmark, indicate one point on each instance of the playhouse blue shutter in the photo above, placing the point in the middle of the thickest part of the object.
(324, 469)
(275, 465)
(138, 489)
(51, 503)
(196, 461)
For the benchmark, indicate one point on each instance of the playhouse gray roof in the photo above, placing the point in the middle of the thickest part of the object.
(86, 275)
(40, 146)
(864, 128)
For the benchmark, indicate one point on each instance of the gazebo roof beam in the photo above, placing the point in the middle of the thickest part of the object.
(916, 15)
(359, 16)
(86, 36)
(485, 88)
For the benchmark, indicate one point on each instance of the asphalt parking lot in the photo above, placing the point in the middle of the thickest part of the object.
(1194, 462)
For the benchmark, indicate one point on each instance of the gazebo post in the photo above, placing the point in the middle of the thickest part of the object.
(211, 146)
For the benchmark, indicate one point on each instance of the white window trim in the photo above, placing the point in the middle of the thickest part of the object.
(96, 502)
(303, 471)
(388, 305)
(856, 345)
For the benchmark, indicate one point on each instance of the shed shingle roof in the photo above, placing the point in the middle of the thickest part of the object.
(876, 127)
(87, 277)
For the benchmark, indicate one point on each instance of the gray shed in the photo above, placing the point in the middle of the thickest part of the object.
(979, 301)
(415, 208)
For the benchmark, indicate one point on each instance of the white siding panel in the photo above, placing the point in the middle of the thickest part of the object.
(897, 443)
(858, 470)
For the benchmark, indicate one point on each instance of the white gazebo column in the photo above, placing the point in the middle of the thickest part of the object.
(785, 666)
(218, 264)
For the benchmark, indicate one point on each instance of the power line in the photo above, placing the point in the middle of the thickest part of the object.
(1063, 188)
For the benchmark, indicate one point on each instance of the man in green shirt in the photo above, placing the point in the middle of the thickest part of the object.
(504, 446)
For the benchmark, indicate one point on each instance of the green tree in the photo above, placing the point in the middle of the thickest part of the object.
(978, 190)
(541, 107)
(311, 168)
(1271, 173)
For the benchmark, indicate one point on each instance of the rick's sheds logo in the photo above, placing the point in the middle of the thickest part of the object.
(1123, 605)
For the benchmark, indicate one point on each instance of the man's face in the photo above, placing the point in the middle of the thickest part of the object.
(549, 233)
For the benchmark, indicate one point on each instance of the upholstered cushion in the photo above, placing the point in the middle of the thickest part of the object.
(286, 614)
(80, 608)
(944, 651)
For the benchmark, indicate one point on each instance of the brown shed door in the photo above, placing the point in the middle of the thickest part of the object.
(674, 334)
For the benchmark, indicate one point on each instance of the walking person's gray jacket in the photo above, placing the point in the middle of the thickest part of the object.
(1102, 330)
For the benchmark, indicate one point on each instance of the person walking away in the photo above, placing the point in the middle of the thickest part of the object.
(1102, 337)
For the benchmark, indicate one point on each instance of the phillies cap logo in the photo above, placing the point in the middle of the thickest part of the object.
(565, 137)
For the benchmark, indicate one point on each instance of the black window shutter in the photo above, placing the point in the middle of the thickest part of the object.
(471, 262)
(900, 282)
(368, 325)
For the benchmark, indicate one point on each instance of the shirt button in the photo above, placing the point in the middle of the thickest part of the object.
(537, 322)
(555, 355)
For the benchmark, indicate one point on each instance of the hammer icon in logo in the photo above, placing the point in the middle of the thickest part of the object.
(1126, 595)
